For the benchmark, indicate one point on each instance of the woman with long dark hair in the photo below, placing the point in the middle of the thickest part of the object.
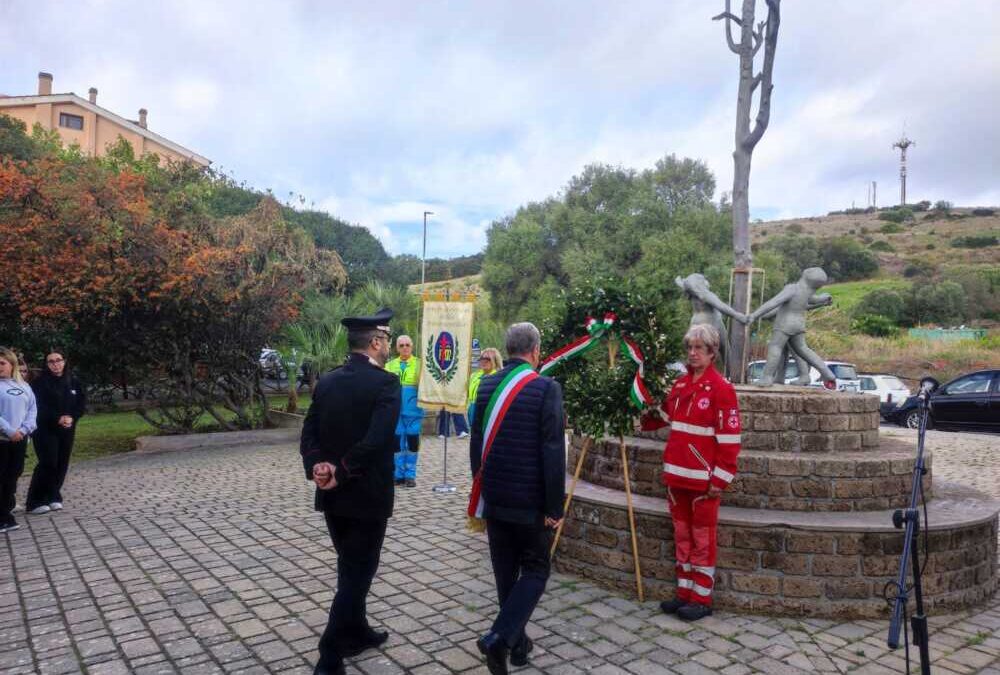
(62, 401)
(17, 421)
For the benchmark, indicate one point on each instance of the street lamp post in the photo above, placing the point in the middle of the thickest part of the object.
(444, 486)
(423, 259)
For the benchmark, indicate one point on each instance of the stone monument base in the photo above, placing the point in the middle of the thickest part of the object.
(791, 563)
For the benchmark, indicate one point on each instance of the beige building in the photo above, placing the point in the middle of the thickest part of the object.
(92, 127)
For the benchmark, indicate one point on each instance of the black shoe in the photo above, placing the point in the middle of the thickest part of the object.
(400, 481)
(337, 670)
(411, 482)
(495, 650)
(519, 654)
(671, 606)
(371, 640)
(694, 611)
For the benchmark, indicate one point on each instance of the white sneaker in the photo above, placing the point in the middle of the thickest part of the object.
(464, 434)
(440, 435)
(56, 506)
(17, 508)
(39, 510)
(11, 528)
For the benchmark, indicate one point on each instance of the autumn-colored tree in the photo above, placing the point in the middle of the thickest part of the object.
(120, 261)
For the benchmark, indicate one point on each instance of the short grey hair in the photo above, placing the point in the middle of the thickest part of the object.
(706, 334)
(522, 338)
(404, 335)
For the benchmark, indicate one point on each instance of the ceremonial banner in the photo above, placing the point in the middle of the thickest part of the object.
(446, 335)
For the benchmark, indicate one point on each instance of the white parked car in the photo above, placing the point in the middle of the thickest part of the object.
(889, 388)
(846, 374)
(271, 364)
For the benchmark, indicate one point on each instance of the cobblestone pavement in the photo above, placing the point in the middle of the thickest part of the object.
(212, 561)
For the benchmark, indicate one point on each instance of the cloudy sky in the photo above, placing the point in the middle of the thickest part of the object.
(377, 111)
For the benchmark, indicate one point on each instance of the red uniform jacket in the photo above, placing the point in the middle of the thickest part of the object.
(704, 441)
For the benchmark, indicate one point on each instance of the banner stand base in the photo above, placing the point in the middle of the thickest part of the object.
(444, 487)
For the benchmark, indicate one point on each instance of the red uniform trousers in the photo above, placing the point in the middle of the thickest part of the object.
(696, 518)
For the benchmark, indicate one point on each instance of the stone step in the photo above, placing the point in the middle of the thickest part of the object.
(220, 439)
(848, 481)
(790, 562)
(803, 419)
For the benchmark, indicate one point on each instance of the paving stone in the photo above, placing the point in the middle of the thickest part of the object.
(236, 576)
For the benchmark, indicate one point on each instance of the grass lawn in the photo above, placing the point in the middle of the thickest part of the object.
(847, 295)
(110, 433)
(102, 434)
(279, 401)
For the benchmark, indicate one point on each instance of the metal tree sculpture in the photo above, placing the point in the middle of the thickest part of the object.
(765, 35)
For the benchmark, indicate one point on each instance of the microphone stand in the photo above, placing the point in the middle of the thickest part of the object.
(910, 519)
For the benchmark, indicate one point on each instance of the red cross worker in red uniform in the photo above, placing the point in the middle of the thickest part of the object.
(699, 462)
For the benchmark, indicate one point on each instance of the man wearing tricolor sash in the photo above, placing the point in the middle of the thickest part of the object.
(518, 457)
(699, 462)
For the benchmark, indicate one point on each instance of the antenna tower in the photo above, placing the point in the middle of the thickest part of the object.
(903, 143)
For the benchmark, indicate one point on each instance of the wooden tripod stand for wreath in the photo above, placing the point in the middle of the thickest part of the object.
(587, 442)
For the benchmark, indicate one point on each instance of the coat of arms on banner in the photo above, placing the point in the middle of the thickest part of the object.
(442, 356)
(446, 336)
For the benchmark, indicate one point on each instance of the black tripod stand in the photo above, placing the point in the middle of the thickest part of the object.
(910, 520)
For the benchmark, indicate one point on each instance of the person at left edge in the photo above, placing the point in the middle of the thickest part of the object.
(347, 448)
(406, 367)
(17, 421)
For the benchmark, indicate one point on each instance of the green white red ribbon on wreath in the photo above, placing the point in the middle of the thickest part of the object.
(596, 331)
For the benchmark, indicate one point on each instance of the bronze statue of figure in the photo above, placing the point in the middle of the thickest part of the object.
(706, 307)
(790, 306)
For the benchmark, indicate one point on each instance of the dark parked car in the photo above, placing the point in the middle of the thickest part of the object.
(969, 402)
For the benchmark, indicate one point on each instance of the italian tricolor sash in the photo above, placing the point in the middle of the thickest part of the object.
(496, 410)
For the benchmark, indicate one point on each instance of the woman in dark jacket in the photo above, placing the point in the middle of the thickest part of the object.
(61, 401)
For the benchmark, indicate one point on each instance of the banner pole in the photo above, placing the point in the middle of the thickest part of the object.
(445, 486)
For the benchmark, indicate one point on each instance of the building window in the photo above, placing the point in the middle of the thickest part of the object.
(70, 121)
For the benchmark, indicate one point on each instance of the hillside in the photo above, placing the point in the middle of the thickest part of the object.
(468, 284)
(928, 237)
(926, 241)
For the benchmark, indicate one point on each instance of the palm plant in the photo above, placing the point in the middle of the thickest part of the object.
(316, 341)
(404, 304)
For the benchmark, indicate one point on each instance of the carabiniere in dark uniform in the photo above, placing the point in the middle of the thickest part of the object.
(350, 431)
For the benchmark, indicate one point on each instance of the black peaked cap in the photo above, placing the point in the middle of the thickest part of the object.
(378, 321)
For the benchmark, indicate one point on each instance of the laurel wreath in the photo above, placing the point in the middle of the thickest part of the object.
(436, 372)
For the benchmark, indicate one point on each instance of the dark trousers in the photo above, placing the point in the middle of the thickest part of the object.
(11, 467)
(520, 556)
(53, 447)
(412, 442)
(444, 427)
(358, 544)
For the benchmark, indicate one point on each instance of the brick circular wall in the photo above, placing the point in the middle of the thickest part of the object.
(851, 481)
(807, 565)
(803, 419)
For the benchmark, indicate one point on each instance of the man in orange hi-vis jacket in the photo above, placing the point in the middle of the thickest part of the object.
(699, 462)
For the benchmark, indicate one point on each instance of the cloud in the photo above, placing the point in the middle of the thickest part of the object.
(399, 225)
(381, 110)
